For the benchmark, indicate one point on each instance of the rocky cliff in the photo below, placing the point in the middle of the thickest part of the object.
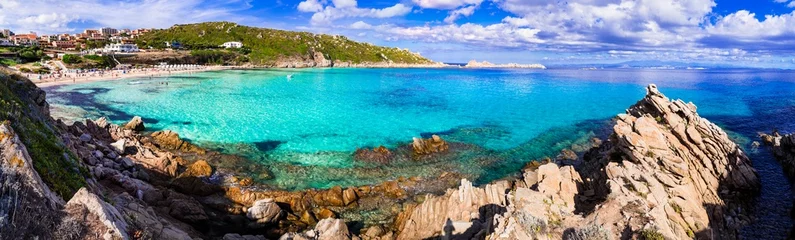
(665, 172)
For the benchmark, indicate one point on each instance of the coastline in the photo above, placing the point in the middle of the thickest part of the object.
(155, 72)
(114, 75)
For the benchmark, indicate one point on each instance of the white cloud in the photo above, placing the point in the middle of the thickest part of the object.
(445, 4)
(344, 3)
(45, 16)
(348, 9)
(743, 24)
(361, 25)
(498, 35)
(454, 15)
(310, 6)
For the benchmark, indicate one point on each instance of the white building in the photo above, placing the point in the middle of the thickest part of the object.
(6, 42)
(232, 45)
(120, 47)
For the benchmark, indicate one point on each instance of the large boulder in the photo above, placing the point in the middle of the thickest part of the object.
(332, 229)
(136, 124)
(330, 197)
(107, 214)
(198, 169)
(264, 211)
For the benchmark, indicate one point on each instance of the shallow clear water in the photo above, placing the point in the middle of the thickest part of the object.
(306, 129)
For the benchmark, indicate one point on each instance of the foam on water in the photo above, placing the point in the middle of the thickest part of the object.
(305, 129)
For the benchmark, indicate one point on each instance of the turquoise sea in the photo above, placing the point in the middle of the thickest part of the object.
(305, 129)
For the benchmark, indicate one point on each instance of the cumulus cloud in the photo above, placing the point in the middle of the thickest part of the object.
(45, 16)
(497, 35)
(454, 15)
(361, 25)
(310, 6)
(445, 4)
(348, 9)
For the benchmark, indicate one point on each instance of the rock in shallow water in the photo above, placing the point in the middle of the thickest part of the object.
(434, 144)
(136, 124)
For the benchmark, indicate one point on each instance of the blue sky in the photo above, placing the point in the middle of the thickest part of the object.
(757, 33)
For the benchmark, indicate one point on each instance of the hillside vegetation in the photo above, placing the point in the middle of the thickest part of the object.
(270, 45)
(22, 105)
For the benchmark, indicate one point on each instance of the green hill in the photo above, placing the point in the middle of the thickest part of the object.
(269, 45)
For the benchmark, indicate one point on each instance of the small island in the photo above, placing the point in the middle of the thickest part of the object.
(486, 64)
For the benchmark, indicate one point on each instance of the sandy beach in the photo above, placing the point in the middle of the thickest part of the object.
(73, 78)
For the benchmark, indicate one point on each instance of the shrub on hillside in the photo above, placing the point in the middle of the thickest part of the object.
(70, 59)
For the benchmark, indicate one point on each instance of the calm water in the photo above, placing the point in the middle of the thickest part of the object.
(305, 129)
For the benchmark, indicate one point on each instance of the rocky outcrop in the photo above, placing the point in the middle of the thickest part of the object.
(136, 124)
(665, 171)
(264, 211)
(485, 64)
(107, 214)
(457, 210)
(27, 205)
(379, 154)
(326, 229)
(783, 148)
(435, 144)
(170, 140)
(320, 60)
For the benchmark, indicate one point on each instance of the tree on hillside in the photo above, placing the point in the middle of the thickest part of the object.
(70, 59)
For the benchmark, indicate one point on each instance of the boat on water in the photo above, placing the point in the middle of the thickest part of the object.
(289, 77)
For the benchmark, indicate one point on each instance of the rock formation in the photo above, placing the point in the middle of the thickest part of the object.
(170, 140)
(136, 124)
(665, 172)
(783, 148)
(264, 211)
(379, 154)
(434, 144)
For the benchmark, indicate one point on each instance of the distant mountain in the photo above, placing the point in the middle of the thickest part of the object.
(270, 45)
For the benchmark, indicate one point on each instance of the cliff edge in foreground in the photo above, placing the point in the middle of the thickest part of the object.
(665, 172)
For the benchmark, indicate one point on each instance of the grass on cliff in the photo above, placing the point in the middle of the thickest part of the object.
(269, 45)
(56, 165)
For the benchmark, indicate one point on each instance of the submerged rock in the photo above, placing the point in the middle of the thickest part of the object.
(434, 144)
(379, 154)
